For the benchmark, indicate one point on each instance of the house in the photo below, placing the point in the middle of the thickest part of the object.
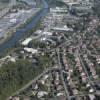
(14, 98)
(40, 94)
(92, 97)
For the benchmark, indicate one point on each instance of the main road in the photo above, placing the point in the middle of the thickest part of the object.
(21, 32)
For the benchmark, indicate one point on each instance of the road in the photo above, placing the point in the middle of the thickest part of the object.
(35, 79)
(64, 84)
(84, 67)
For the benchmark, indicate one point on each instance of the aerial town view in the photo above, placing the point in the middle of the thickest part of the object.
(49, 49)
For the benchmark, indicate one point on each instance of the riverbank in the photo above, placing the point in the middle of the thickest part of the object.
(10, 32)
(19, 33)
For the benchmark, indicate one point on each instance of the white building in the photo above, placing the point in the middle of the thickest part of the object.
(26, 41)
(31, 50)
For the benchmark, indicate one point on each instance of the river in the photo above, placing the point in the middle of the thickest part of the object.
(21, 32)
